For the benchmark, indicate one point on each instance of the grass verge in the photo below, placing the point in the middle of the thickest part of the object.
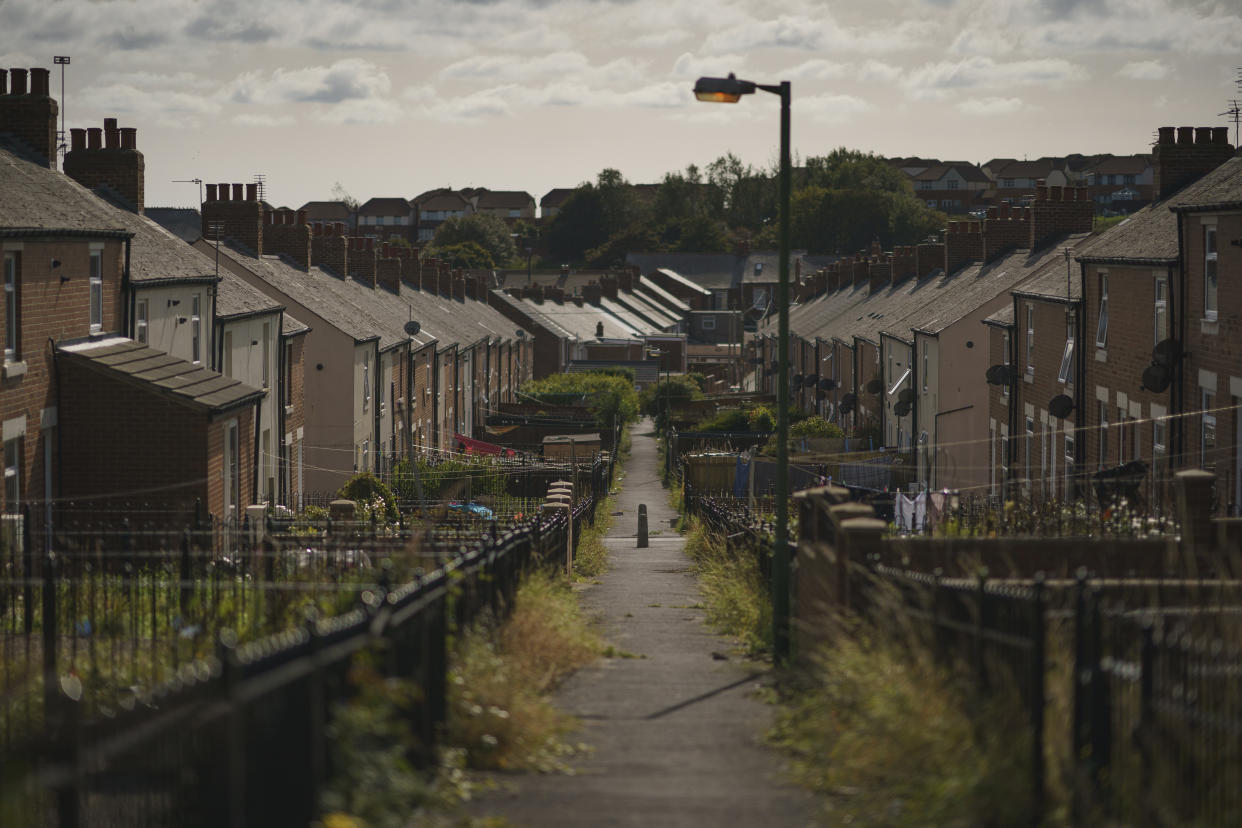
(499, 714)
(734, 594)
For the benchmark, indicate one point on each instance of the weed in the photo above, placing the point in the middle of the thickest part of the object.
(612, 652)
(499, 714)
(735, 597)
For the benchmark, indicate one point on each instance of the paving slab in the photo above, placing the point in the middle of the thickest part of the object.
(676, 732)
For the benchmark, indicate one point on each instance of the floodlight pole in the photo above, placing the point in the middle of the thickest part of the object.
(780, 561)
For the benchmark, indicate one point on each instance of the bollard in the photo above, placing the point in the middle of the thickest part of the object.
(642, 526)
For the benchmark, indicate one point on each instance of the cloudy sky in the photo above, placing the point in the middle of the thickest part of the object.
(393, 97)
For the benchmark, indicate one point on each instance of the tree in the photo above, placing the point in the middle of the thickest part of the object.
(466, 255)
(605, 394)
(339, 194)
(484, 230)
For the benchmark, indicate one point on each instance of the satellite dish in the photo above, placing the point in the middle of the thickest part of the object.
(519, 333)
(827, 384)
(902, 408)
(1156, 378)
(810, 380)
(1060, 406)
(848, 403)
(412, 328)
(1001, 375)
(1166, 352)
(906, 395)
(875, 386)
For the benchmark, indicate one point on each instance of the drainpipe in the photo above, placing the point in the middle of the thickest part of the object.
(1177, 390)
(126, 307)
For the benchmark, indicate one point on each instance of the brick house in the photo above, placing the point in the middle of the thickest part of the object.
(71, 373)
(952, 186)
(510, 205)
(385, 218)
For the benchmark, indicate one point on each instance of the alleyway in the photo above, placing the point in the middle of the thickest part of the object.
(676, 733)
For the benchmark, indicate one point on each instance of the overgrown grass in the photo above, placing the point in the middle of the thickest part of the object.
(886, 737)
(734, 594)
(499, 714)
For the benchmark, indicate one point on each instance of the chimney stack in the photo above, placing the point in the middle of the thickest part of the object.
(362, 260)
(288, 235)
(29, 116)
(117, 165)
(1057, 211)
(241, 217)
(388, 269)
(1194, 153)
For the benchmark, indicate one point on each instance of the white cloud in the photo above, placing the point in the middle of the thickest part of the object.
(990, 106)
(934, 81)
(816, 33)
(259, 119)
(346, 80)
(660, 39)
(877, 72)
(514, 68)
(691, 66)
(1144, 70)
(831, 109)
(374, 111)
(817, 69)
(540, 38)
(126, 98)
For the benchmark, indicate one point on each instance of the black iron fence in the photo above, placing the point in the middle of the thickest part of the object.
(157, 678)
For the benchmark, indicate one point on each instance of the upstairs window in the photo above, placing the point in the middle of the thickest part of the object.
(1209, 272)
(1066, 374)
(1030, 340)
(12, 347)
(196, 329)
(366, 382)
(1207, 443)
(1161, 309)
(140, 321)
(1103, 419)
(1005, 359)
(267, 354)
(1101, 328)
(96, 278)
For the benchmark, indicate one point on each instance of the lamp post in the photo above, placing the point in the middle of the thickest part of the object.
(731, 90)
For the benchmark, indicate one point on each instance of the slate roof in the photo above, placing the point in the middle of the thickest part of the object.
(237, 298)
(505, 200)
(556, 196)
(648, 310)
(1218, 189)
(327, 211)
(183, 222)
(708, 270)
(33, 197)
(580, 322)
(1039, 168)
(1147, 235)
(1048, 281)
(159, 373)
(443, 201)
(660, 297)
(1122, 164)
(968, 172)
(385, 207)
(1003, 318)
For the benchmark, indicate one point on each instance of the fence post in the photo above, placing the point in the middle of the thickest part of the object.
(1147, 713)
(642, 526)
(1195, 503)
(318, 713)
(49, 621)
(234, 738)
(28, 565)
(1038, 669)
(187, 578)
(977, 654)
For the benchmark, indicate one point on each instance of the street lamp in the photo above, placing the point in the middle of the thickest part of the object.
(731, 90)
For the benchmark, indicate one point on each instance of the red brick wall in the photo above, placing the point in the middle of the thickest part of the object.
(59, 311)
(237, 207)
(27, 112)
(329, 248)
(123, 446)
(963, 242)
(118, 163)
(215, 461)
(296, 418)
(1195, 151)
(292, 239)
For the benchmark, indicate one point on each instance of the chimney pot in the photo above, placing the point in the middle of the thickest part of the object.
(1220, 135)
(19, 81)
(211, 192)
(112, 138)
(252, 192)
(1166, 135)
(77, 139)
(94, 138)
(386, 250)
(4, 81)
(109, 123)
(269, 218)
(1203, 135)
(1185, 135)
(39, 82)
(301, 218)
(239, 192)
(129, 138)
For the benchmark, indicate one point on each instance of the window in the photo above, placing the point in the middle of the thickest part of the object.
(1004, 453)
(1007, 183)
(951, 184)
(1069, 464)
(1209, 272)
(366, 455)
(366, 384)
(1131, 179)
(1030, 444)
(196, 329)
(287, 396)
(1030, 340)
(924, 365)
(1066, 374)
(140, 321)
(709, 323)
(266, 464)
(12, 346)
(1159, 451)
(1207, 436)
(1005, 359)
(1102, 414)
(228, 353)
(267, 354)
(1101, 328)
(1161, 305)
(96, 291)
(1123, 434)
(12, 473)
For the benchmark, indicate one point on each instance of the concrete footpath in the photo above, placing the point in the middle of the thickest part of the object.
(676, 733)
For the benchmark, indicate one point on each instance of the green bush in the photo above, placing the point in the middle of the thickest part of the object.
(733, 419)
(761, 418)
(816, 426)
(372, 497)
(608, 394)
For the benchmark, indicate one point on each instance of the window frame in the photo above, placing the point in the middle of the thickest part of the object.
(1101, 324)
(1065, 375)
(1030, 339)
(1102, 432)
(196, 329)
(13, 472)
(1207, 416)
(1160, 308)
(96, 291)
(1005, 360)
(141, 321)
(1211, 283)
(12, 309)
